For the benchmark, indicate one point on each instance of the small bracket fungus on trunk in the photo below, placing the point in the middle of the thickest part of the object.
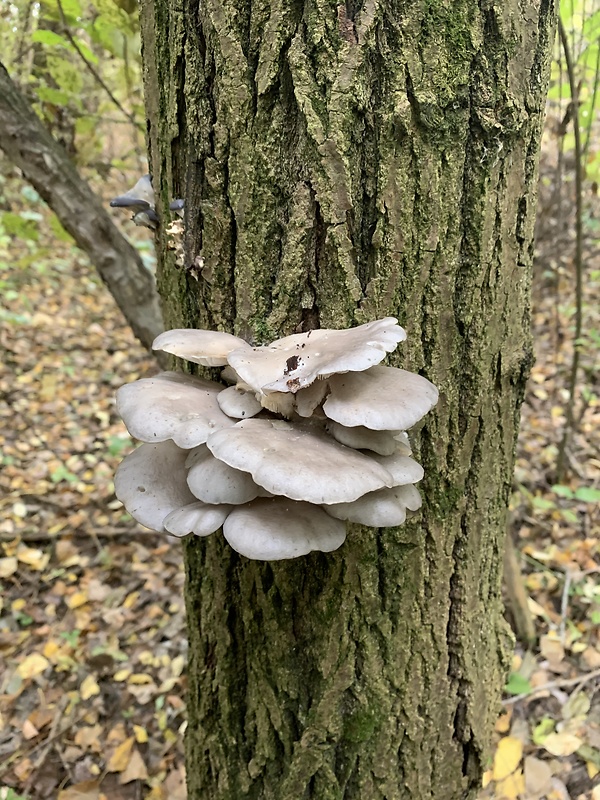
(311, 433)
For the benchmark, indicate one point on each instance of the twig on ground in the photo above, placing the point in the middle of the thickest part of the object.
(561, 683)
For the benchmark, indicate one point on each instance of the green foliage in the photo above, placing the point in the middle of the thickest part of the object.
(78, 61)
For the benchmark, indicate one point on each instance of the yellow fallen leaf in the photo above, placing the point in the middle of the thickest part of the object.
(503, 721)
(121, 675)
(562, 744)
(89, 688)
(135, 770)
(36, 559)
(120, 758)
(511, 787)
(139, 678)
(50, 649)
(592, 769)
(8, 567)
(32, 665)
(77, 600)
(507, 757)
(486, 779)
(18, 605)
(141, 734)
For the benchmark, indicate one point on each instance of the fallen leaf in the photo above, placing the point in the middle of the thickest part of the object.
(141, 734)
(507, 757)
(8, 566)
(89, 688)
(511, 787)
(561, 744)
(135, 770)
(77, 600)
(29, 730)
(36, 559)
(120, 758)
(538, 775)
(32, 665)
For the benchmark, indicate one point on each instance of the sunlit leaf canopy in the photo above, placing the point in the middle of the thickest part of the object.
(79, 65)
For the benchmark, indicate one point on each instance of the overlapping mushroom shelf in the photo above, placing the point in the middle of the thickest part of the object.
(310, 434)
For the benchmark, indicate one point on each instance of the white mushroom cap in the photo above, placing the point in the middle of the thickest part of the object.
(362, 438)
(209, 348)
(171, 406)
(274, 529)
(309, 398)
(380, 398)
(237, 403)
(291, 363)
(197, 518)
(379, 509)
(402, 468)
(291, 460)
(403, 443)
(213, 481)
(150, 482)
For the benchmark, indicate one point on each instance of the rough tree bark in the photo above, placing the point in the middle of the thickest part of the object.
(342, 162)
(46, 165)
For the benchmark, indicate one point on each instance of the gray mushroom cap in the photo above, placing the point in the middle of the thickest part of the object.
(295, 461)
(172, 406)
(379, 509)
(140, 196)
(272, 530)
(209, 348)
(403, 469)
(296, 361)
(362, 438)
(150, 482)
(197, 518)
(214, 481)
(237, 403)
(380, 398)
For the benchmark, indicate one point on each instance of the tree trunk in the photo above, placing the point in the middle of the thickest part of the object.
(343, 162)
(45, 164)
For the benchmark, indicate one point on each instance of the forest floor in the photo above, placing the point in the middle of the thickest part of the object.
(92, 623)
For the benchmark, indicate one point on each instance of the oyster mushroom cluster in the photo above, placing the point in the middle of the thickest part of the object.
(310, 433)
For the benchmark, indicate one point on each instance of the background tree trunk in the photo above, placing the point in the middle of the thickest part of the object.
(46, 165)
(342, 162)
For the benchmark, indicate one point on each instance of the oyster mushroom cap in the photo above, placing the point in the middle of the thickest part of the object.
(380, 398)
(209, 348)
(362, 438)
(309, 398)
(379, 509)
(279, 528)
(403, 469)
(215, 482)
(291, 460)
(171, 406)
(237, 403)
(140, 197)
(150, 482)
(296, 361)
(198, 518)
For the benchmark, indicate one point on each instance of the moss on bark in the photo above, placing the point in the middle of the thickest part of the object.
(342, 162)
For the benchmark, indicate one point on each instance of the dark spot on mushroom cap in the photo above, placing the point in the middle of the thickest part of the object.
(141, 488)
(291, 364)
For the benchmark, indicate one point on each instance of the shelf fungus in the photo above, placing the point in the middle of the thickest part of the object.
(309, 434)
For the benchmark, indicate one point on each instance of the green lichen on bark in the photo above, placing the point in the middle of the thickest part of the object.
(342, 162)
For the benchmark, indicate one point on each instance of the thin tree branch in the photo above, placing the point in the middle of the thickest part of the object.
(570, 411)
